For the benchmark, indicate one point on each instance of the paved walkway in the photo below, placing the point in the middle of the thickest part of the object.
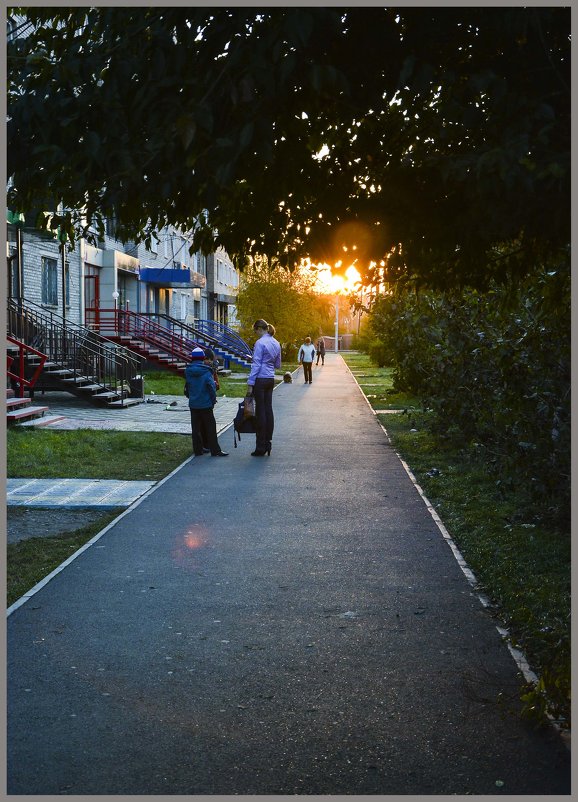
(295, 624)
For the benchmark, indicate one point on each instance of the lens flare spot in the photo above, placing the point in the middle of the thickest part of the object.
(188, 545)
(193, 541)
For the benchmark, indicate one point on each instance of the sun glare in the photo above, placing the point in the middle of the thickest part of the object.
(329, 283)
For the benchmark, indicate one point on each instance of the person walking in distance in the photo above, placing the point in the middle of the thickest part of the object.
(306, 357)
(201, 390)
(320, 351)
(261, 381)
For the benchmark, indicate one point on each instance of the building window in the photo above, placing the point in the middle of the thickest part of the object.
(110, 225)
(50, 276)
(49, 281)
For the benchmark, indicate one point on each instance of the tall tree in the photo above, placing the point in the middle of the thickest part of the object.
(424, 142)
(284, 299)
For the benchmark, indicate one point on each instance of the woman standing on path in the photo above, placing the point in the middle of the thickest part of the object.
(261, 381)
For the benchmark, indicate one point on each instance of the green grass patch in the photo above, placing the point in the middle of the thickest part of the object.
(164, 383)
(377, 384)
(522, 566)
(29, 561)
(90, 454)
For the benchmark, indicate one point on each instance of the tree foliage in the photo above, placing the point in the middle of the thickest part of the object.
(285, 300)
(447, 131)
(494, 368)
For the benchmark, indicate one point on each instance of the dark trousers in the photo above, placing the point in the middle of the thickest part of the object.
(307, 372)
(263, 393)
(204, 431)
(322, 359)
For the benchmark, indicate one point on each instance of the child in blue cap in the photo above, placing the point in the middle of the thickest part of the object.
(201, 390)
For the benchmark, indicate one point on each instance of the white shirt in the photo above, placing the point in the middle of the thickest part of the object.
(307, 352)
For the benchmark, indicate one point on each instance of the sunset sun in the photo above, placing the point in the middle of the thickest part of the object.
(327, 282)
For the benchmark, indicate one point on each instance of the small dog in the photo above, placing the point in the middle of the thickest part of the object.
(288, 378)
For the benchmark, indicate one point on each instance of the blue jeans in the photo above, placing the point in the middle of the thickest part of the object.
(263, 393)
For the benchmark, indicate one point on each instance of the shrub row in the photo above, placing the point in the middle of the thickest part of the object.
(493, 369)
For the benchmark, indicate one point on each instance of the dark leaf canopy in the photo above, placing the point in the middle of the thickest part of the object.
(443, 134)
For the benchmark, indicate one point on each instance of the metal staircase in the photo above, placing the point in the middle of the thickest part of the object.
(76, 360)
(168, 342)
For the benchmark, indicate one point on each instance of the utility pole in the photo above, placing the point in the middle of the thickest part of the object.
(336, 322)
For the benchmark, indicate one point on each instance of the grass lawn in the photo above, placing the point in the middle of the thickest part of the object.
(524, 568)
(92, 454)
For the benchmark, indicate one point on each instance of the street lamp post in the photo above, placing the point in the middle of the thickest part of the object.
(115, 297)
(336, 322)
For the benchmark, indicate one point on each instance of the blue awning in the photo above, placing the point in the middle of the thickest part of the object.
(171, 277)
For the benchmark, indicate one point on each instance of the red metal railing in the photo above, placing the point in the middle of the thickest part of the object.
(123, 323)
(19, 377)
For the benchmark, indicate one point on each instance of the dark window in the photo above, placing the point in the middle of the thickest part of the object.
(49, 281)
(50, 278)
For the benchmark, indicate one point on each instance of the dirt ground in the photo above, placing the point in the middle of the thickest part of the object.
(27, 522)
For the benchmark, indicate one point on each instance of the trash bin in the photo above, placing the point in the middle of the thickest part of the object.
(136, 387)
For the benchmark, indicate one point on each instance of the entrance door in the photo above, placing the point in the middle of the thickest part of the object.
(164, 307)
(92, 300)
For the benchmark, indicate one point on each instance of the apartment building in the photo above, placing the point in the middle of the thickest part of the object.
(165, 280)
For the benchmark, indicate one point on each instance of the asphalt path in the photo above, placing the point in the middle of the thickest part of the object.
(292, 624)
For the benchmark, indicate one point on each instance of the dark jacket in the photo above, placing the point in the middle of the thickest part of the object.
(201, 386)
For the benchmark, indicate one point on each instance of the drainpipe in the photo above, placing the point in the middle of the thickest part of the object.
(63, 246)
(19, 265)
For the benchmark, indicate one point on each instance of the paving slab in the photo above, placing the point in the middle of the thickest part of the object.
(166, 413)
(74, 492)
(293, 624)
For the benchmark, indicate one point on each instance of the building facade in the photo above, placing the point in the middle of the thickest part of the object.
(163, 281)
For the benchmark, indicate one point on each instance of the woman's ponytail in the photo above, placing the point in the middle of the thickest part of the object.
(262, 324)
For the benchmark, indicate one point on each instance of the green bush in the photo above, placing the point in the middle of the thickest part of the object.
(494, 369)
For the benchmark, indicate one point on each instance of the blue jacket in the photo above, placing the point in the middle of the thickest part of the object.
(201, 385)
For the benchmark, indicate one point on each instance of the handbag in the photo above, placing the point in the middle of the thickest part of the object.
(243, 424)
(249, 408)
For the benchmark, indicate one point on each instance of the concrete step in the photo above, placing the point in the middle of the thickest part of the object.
(45, 420)
(91, 388)
(16, 402)
(128, 402)
(61, 372)
(23, 414)
(78, 380)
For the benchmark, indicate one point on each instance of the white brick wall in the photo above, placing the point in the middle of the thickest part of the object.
(33, 249)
